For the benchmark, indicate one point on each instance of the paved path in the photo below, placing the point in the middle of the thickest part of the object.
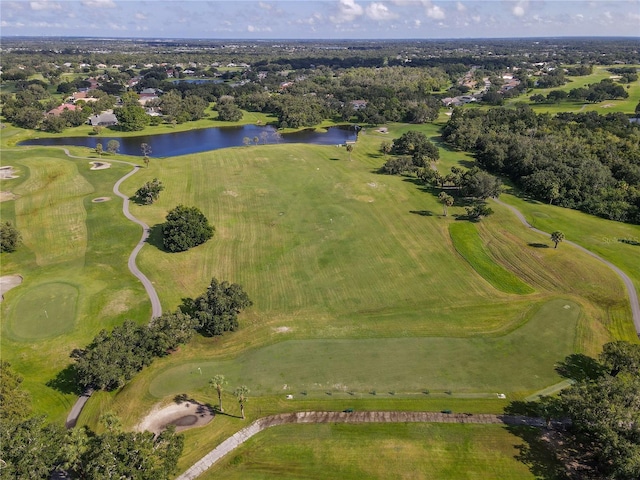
(156, 308)
(628, 283)
(341, 417)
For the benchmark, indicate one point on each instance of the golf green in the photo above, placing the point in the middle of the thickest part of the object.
(45, 310)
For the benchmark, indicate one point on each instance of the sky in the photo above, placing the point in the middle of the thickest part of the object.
(320, 19)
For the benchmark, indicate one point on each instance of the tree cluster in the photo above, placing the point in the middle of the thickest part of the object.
(604, 408)
(216, 310)
(586, 161)
(597, 92)
(113, 358)
(32, 448)
(186, 227)
(149, 192)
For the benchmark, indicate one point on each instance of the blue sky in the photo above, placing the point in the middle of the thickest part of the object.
(320, 19)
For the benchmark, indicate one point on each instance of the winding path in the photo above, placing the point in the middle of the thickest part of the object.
(156, 307)
(261, 424)
(628, 283)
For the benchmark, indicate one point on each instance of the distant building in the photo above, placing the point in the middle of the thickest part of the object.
(58, 110)
(358, 104)
(104, 119)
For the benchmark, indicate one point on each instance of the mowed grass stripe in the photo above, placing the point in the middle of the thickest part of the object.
(467, 242)
(376, 451)
(49, 211)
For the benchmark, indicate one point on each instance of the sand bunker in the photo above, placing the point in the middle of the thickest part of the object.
(99, 165)
(8, 282)
(184, 415)
(101, 199)
(7, 172)
(5, 196)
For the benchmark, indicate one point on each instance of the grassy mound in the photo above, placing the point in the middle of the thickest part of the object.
(468, 244)
(44, 311)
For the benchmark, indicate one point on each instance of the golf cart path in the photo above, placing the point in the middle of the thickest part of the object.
(628, 283)
(261, 424)
(156, 308)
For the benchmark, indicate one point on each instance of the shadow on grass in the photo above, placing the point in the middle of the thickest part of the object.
(422, 213)
(65, 381)
(538, 245)
(155, 237)
(537, 455)
(579, 367)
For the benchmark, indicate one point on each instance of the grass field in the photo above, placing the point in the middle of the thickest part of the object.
(377, 451)
(467, 243)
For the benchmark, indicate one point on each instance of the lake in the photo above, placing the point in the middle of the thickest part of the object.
(202, 140)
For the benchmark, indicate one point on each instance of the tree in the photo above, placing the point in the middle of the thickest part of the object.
(146, 151)
(416, 144)
(217, 309)
(170, 330)
(113, 146)
(477, 183)
(186, 227)
(218, 382)
(478, 211)
(132, 117)
(98, 149)
(150, 191)
(446, 200)
(349, 149)
(557, 237)
(386, 147)
(10, 237)
(241, 394)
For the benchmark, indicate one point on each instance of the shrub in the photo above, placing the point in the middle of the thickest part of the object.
(186, 227)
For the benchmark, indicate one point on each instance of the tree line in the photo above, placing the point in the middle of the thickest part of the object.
(584, 161)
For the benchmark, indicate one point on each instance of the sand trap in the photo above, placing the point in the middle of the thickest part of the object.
(5, 196)
(99, 165)
(184, 415)
(8, 282)
(7, 172)
(101, 199)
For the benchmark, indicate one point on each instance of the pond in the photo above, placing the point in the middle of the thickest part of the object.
(202, 140)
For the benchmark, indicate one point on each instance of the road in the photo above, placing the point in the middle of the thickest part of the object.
(628, 283)
(261, 424)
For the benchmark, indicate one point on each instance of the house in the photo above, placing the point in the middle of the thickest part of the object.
(149, 94)
(358, 104)
(104, 119)
(59, 109)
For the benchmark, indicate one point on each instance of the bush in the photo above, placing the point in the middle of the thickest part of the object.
(186, 227)
(150, 191)
(9, 237)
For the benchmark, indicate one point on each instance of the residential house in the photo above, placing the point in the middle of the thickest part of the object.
(104, 119)
(61, 108)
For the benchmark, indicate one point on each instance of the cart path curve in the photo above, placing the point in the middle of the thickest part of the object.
(261, 424)
(628, 283)
(156, 307)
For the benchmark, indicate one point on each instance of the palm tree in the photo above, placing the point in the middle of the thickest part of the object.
(218, 382)
(241, 394)
(446, 200)
(557, 237)
(349, 149)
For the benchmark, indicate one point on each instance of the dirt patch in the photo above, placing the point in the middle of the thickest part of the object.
(8, 282)
(99, 165)
(101, 199)
(606, 105)
(6, 196)
(184, 415)
(282, 329)
(7, 172)
(231, 193)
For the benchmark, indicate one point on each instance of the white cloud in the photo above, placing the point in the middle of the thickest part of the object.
(253, 29)
(115, 26)
(140, 16)
(379, 11)
(45, 5)
(435, 12)
(519, 9)
(460, 7)
(348, 11)
(265, 5)
(99, 3)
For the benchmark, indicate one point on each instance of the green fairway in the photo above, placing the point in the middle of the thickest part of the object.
(376, 451)
(522, 360)
(468, 244)
(45, 310)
